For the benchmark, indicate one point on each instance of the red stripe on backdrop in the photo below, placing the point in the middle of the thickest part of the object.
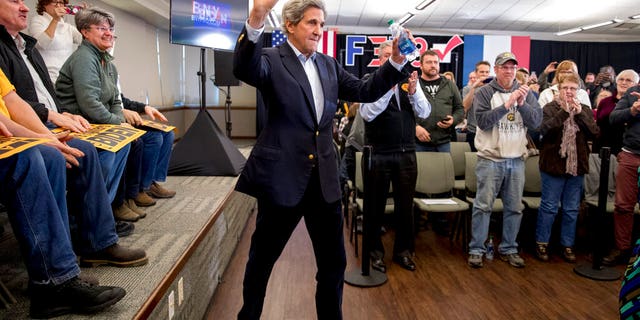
(329, 39)
(521, 47)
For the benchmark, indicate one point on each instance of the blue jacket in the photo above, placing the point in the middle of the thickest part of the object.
(292, 141)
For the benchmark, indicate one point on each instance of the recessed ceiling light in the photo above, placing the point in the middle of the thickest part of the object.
(406, 18)
(568, 31)
(424, 4)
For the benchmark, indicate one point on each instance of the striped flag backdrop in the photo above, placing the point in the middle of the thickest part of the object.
(328, 43)
(478, 48)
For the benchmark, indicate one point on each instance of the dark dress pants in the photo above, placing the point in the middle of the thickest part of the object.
(274, 226)
(400, 169)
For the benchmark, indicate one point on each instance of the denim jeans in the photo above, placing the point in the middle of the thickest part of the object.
(507, 179)
(130, 185)
(445, 147)
(564, 189)
(32, 186)
(112, 164)
(88, 202)
(156, 156)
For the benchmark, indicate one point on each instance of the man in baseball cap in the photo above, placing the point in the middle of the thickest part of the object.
(503, 110)
(506, 57)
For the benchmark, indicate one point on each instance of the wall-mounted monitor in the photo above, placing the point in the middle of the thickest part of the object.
(208, 23)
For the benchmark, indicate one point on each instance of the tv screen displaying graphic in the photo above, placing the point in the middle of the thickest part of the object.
(208, 23)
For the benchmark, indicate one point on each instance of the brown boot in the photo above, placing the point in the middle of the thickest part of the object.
(131, 204)
(123, 213)
(115, 255)
(144, 200)
(159, 191)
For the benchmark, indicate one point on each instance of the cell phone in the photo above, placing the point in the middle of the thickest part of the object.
(72, 9)
(487, 80)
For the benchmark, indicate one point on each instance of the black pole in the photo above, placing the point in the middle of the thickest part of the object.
(227, 111)
(603, 194)
(203, 79)
(366, 277)
(367, 224)
(595, 270)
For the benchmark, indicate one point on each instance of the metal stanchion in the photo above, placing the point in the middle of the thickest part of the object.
(366, 277)
(596, 270)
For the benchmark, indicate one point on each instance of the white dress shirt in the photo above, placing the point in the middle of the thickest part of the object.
(420, 103)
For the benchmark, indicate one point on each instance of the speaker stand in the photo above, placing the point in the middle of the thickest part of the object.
(204, 150)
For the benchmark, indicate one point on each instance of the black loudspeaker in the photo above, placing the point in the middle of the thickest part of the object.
(223, 69)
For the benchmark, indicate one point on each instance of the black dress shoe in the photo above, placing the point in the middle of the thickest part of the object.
(405, 262)
(616, 257)
(378, 264)
(124, 228)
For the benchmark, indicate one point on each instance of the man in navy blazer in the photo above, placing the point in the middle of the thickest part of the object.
(292, 169)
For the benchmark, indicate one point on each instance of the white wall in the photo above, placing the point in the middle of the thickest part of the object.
(137, 61)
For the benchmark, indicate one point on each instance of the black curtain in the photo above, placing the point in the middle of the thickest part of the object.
(589, 56)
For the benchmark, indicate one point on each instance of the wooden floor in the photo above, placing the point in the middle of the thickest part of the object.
(443, 286)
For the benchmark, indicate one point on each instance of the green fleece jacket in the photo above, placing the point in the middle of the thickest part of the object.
(87, 85)
(446, 102)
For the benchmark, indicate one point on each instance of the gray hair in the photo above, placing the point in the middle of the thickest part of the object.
(631, 73)
(293, 11)
(385, 44)
(92, 16)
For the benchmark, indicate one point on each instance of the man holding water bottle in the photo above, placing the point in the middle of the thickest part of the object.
(292, 169)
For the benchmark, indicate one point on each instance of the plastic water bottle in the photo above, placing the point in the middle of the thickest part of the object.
(406, 46)
(489, 254)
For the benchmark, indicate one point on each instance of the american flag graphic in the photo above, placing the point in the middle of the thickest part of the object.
(277, 38)
(327, 45)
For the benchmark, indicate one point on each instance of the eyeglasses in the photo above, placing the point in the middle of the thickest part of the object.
(58, 3)
(625, 80)
(508, 68)
(104, 29)
(569, 88)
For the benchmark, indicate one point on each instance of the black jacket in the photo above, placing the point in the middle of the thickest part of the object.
(14, 67)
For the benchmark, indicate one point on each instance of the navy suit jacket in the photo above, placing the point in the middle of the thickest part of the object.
(292, 141)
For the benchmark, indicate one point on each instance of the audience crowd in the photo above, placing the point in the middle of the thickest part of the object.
(69, 202)
(564, 118)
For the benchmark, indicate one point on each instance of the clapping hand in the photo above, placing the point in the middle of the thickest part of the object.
(413, 80)
(635, 107)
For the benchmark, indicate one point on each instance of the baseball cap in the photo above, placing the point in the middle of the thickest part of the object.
(504, 57)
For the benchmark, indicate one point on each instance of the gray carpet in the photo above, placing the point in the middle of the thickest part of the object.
(165, 233)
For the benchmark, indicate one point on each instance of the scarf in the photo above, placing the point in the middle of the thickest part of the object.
(568, 147)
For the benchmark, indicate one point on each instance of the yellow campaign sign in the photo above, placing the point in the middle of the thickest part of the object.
(157, 125)
(15, 145)
(110, 137)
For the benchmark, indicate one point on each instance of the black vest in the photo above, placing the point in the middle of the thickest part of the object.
(394, 129)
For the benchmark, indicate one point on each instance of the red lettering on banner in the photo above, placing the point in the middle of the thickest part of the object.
(376, 40)
(421, 44)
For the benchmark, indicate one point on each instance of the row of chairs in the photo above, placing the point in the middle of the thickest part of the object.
(451, 176)
(446, 183)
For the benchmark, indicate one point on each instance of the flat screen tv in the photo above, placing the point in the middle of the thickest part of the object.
(208, 23)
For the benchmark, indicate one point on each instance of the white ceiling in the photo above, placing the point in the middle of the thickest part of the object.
(540, 19)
